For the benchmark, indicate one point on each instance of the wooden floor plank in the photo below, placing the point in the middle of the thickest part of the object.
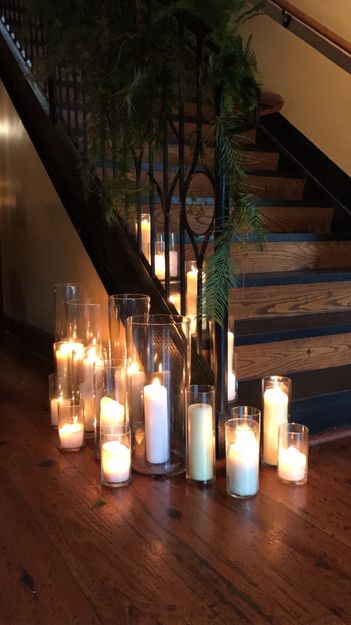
(162, 552)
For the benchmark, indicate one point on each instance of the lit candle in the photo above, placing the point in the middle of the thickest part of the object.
(64, 353)
(243, 463)
(145, 236)
(230, 350)
(291, 464)
(160, 265)
(200, 442)
(91, 359)
(115, 462)
(275, 412)
(191, 292)
(231, 386)
(175, 300)
(156, 422)
(71, 436)
(111, 412)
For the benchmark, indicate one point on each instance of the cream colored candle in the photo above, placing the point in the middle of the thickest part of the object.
(243, 463)
(111, 412)
(71, 436)
(145, 236)
(191, 292)
(160, 265)
(200, 446)
(156, 423)
(115, 462)
(291, 464)
(174, 298)
(275, 412)
(173, 263)
(231, 386)
(230, 350)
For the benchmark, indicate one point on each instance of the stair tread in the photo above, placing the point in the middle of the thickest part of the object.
(267, 330)
(295, 277)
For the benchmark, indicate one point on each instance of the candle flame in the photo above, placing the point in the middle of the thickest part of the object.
(160, 368)
(156, 381)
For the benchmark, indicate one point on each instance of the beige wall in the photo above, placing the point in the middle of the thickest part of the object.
(316, 92)
(39, 245)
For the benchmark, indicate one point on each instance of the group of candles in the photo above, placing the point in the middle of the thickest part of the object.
(137, 413)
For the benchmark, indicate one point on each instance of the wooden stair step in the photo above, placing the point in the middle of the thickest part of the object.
(321, 399)
(291, 293)
(253, 158)
(299, 343)
(282, 217)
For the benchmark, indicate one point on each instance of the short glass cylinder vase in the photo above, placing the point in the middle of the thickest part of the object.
(56, 394)
(120, 307)
(115, 455)
(160, 260)
(200, 434)
(84, 321)
(159, 350)
(293, 453)
(111, 408)
(276, 397)
(71, 424)
(173, 254)
(242, 441)
(64, 292)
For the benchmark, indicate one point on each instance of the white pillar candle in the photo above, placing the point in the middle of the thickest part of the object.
(160, 266)
(200, 442)
(156, 423)
(71, 435)
(191, 292)
(111, 412)
(275, 412)
(175, 300)
(243, 463)
(115, 462)
(291, 464)
(173, 263)
(91, 359)
(231, 386)
(230, 350)
(145, 237)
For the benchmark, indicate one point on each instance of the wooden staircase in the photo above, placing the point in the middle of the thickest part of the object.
(292, 308)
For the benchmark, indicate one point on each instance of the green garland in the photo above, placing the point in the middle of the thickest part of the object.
(133, 68)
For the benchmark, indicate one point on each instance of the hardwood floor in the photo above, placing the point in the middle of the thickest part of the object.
(160, 552)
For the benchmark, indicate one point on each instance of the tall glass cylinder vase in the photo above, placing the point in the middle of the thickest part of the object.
(120, 307)
(64, 292)
(93, 363)
(110, 393)
(159, 347)
(84, 321)
(276, 396)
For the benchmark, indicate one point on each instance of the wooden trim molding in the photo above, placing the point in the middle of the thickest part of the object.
(317, 26)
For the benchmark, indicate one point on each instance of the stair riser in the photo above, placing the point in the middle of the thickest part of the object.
(268, 187)
(251, 160)
(279, 219)
(247, 136)
(255, 361)
(292, 299)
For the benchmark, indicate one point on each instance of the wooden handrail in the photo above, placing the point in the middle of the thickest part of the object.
(311, 22)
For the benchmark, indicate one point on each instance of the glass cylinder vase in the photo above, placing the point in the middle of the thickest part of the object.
(84, 321)
(293, 453)
(93, 363)
(115, 455)
(200, 433)
(120, 307)
(276, 396)
(110, 391)
(159, 349)
(71, 424)
(64, 292)
(56, 394)
(242, 440)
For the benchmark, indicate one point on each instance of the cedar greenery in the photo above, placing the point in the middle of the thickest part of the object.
(133, 68)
